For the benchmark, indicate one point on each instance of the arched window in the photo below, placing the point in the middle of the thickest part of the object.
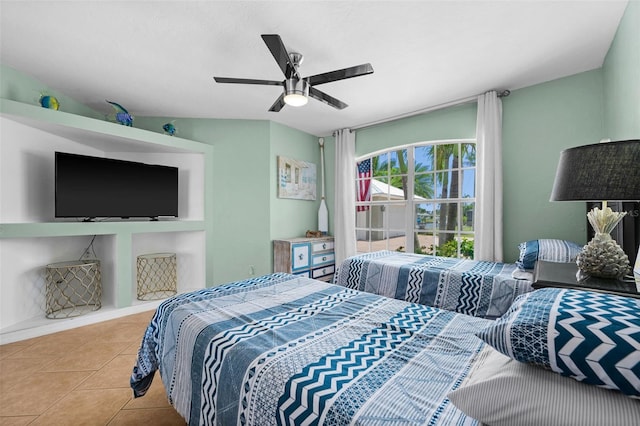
(418, 198)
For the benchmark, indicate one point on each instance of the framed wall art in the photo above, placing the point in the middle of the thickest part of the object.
(296, 179)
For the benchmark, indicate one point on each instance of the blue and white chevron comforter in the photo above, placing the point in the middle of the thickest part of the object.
(478, 288)
(285, 350)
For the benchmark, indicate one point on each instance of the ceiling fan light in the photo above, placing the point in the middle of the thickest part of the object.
(296, 92)
(295, 99)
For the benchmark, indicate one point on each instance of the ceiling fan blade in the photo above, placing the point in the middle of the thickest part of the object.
(280, 54)
(323, 97)
(248, 81)
(342, 74)
(278, 104)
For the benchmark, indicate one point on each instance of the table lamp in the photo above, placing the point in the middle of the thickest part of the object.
(608, 171)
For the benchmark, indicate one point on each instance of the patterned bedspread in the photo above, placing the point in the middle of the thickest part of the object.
(482, 289)
(282, 349)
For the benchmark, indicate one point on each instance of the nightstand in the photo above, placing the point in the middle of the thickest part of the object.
(309, 257)
(563, 275)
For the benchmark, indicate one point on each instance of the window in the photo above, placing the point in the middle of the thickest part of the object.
(437, 218)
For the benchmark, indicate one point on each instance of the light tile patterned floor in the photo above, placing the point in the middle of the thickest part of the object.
(80, 377)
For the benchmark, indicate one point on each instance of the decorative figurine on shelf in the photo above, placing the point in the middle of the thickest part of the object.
(169, 128)
(122, 115)
(48, 101)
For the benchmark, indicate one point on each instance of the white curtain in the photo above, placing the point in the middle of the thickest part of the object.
(345, 193)
(488, 220)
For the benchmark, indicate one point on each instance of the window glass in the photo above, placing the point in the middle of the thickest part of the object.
(424, 157)
(438, 219)
(424, 186)
(468, 217)
(468, 154)
(468, 183)
(447, 156)
(398, 162)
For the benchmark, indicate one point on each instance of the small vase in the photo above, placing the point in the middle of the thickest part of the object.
(50, 102)
(603, 257)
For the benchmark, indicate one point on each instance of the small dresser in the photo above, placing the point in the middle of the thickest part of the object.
(309, 257)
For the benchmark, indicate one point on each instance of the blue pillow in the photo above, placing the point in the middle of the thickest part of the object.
(591, 337)
(550, 250)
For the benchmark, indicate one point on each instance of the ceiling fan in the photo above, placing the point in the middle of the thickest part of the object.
(296, 88)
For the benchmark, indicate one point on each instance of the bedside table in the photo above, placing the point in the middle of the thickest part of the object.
(563, 275)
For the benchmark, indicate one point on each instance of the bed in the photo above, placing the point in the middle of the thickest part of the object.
(477, 288)
(283, 350)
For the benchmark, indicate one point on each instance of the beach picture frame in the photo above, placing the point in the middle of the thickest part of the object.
(296, 179)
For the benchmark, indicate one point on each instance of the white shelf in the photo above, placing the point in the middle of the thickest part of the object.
(102, 135)
(30, 238)
(68, 229)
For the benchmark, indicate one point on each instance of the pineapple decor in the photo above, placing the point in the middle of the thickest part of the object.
(602, 256)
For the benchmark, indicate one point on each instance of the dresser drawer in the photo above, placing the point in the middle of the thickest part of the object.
(300, 256)
(322, 246)
(321, 272)
(322, 259)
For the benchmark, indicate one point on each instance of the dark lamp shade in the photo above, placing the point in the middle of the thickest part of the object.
(608, 171)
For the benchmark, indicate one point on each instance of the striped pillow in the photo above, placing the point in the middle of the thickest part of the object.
(503, 392)
(591, 337)
(550, 250)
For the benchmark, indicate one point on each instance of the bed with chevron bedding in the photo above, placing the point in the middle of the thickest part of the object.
(477, 288)
(283, 349)
(289, 350)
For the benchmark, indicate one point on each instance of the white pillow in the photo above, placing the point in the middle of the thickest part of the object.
(500, 391)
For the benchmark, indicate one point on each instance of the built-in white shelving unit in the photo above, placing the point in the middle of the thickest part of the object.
(30, 237)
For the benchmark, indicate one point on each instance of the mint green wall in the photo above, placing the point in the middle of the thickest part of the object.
(538, 123)
(17, 86)
(621, 75)
(241, 192)
(292, 218)
(248, 215)
(241, 197)
(452, 123)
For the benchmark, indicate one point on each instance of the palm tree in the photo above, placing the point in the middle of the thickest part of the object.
(447, 157)
(468, 154)
(379, 167)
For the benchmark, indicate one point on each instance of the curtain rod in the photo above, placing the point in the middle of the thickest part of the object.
(501, 94)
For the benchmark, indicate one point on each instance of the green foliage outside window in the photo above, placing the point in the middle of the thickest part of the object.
(450, 249)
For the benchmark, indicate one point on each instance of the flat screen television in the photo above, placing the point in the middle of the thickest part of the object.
(94, 187)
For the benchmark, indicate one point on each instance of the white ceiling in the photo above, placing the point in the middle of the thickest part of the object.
(157, 58)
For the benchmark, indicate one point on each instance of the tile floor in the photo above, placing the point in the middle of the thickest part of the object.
(80, 377)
